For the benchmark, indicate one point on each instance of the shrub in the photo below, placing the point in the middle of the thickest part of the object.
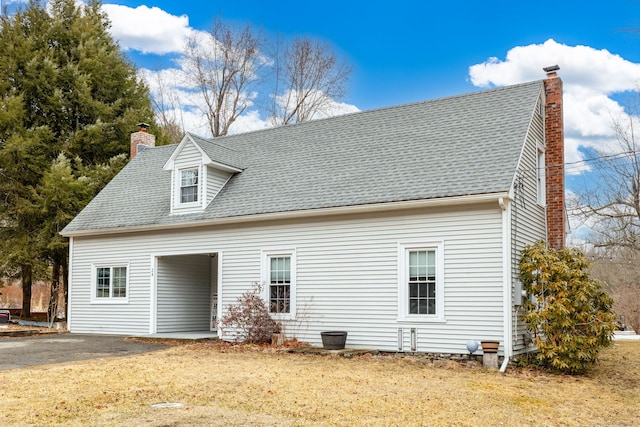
(249, 318)
(571, 315)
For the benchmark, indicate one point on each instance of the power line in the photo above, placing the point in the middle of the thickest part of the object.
(576, 165)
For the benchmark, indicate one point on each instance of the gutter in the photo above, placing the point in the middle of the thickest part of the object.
(308, 213)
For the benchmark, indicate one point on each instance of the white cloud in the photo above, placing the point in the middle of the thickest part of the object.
(589, 75)
(153, 30)
(590, 78)
(147, 29)
(581, 66)
(335, 108)
(248, 122)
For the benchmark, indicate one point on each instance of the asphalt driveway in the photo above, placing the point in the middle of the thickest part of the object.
(20, 352)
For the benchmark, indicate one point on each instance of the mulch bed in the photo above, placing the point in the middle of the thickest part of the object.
(15, 330)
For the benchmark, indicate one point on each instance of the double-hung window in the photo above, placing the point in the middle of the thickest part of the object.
(110, 283)
(279, 281)
(420, 287)
(422, 281)
(280, 284)
(189, 185)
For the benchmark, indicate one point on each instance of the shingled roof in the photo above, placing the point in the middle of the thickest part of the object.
(456, 146)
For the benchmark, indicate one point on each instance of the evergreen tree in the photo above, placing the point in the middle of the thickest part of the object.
(68, 102)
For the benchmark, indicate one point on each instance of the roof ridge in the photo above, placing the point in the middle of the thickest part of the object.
(215, 141)
(375, 110)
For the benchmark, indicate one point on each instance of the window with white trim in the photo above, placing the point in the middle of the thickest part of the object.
(279, 280)
(189, 185)
(110, 283)
(280, 284)
(422, 281)
(540, 177)
(421, 285)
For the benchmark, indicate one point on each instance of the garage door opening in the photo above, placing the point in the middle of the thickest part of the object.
(186, 293)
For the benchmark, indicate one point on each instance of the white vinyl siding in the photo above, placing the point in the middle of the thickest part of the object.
(216, 179)
(528, 214)
(346, 273)
(189, 159)
(183, 293)
(130, 316)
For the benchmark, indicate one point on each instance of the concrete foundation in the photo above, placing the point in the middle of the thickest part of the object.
(490, 360)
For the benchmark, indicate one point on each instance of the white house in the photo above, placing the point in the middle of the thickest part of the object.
(401, 226)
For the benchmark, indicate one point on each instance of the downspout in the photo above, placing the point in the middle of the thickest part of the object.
(505, 205)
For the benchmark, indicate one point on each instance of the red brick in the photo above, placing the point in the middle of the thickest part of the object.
(142, 137)
(554, 158)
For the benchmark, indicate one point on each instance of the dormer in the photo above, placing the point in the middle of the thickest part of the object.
(199, 170)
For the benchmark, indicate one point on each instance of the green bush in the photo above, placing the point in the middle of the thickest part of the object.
(570, 314)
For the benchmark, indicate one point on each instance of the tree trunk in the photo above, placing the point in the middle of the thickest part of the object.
(27, 282)
(54, 296)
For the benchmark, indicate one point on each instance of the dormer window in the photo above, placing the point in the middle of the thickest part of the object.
(196, 179)
(189, 185)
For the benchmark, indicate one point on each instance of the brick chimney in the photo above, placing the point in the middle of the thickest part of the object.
(140, 140)
(554, 159)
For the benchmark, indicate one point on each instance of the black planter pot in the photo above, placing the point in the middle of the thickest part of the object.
(333, 340)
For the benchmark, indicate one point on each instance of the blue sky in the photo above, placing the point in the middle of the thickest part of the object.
(406, 51)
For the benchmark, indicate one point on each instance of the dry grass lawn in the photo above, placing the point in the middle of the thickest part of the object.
(254, 387)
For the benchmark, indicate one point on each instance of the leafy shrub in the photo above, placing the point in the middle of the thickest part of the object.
(571, 316)
(249, 318)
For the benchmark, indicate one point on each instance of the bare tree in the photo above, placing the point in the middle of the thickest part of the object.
(612, 204)
(167, 104)
(611, 208)
(308, 78)
(224, 64)
(620, 269)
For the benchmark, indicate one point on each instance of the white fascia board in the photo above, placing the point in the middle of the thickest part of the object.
(523, 146)
(169, 165)
(220, 166)
(206, 160)
(308, 213)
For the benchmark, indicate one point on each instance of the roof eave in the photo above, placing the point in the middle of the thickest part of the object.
(222, 166)
(307, 213)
